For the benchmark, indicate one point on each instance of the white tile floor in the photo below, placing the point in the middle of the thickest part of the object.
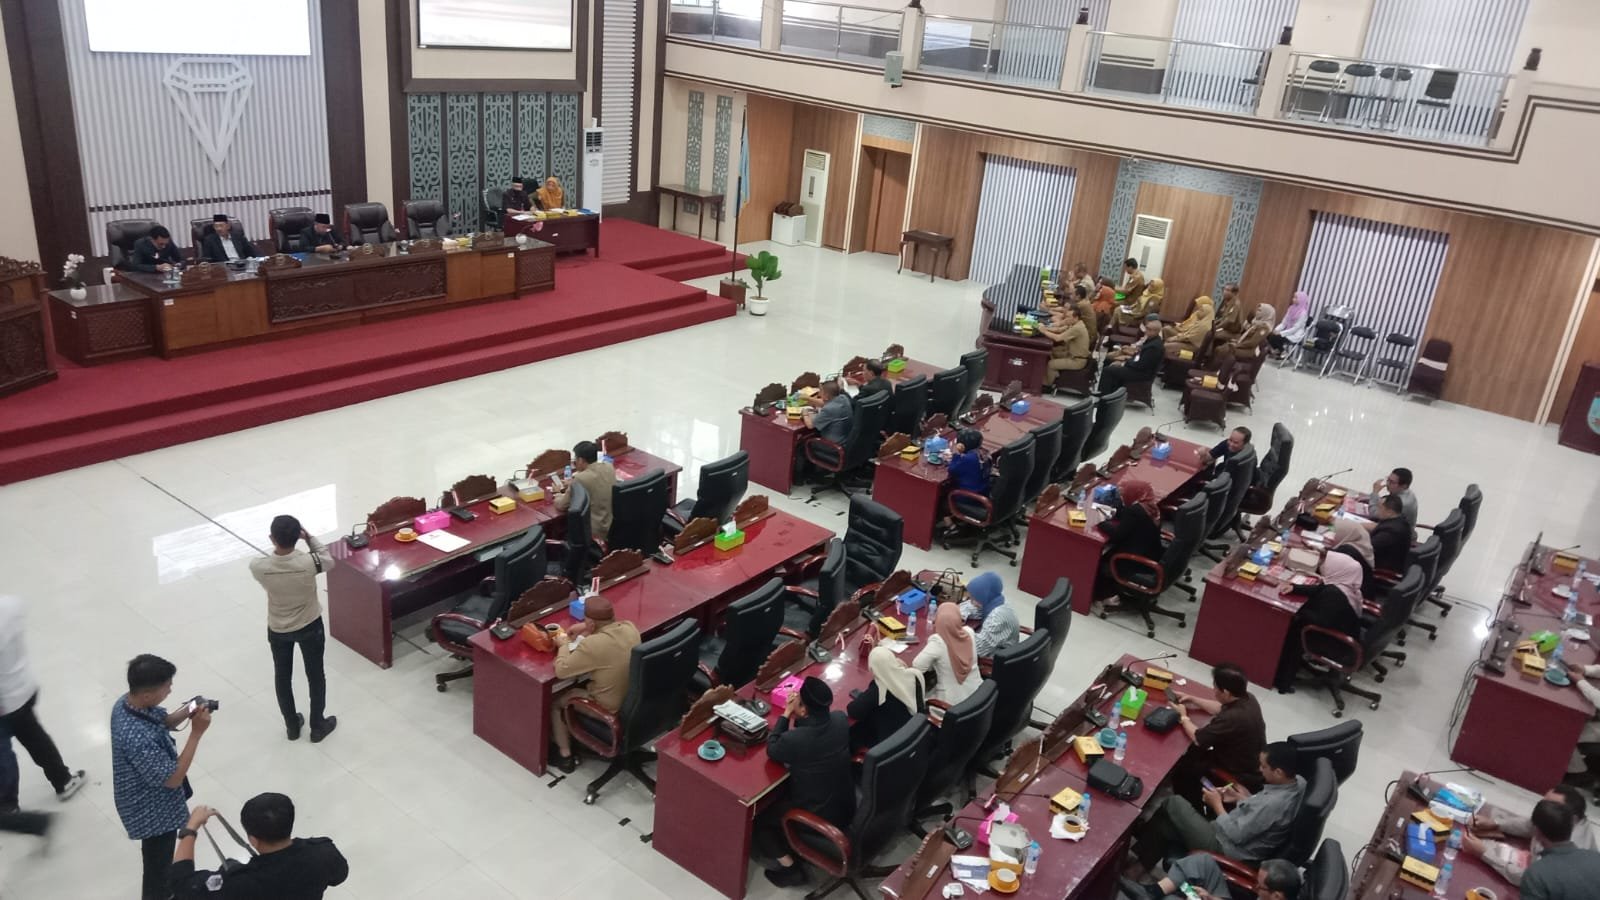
(147, 554)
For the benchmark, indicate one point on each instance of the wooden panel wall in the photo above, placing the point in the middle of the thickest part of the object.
(1194, 249)
(833, 131)
(862, 201)
(1503, 299)
(950, 175)
(771, 123)
(1585, 348)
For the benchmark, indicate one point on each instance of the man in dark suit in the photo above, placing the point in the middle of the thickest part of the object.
(222, 244)
(321, 236)
(515, 199)
(154, 252)
(1391, 535)
(814, 744)
(1136, 362)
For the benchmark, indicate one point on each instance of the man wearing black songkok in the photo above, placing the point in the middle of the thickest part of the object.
(814, 743)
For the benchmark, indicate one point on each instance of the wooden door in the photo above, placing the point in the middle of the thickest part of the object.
(882, 188)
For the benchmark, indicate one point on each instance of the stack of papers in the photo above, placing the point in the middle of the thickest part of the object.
(443, 541)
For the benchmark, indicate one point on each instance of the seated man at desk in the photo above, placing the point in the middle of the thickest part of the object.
(832, 419)
(1276, 879)
(1510, 860)
(1237, 440)
(1398, 484)
(154, 252)
(877, 384)
(600, 647)
(1560, 870)
(1256, 827)
(1390, 535)
(597, 478)
(1135, 363)
(321, 236)
(515, 198)
(222, 244)
(1069, 341)
(814, 744)
(1231, 741)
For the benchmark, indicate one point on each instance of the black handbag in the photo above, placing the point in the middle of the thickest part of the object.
(1162, 720)
(1109, 778)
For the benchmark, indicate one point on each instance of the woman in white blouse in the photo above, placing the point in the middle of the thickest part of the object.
(952, 654)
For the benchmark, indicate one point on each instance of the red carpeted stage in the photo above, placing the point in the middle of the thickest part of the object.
(92, 414)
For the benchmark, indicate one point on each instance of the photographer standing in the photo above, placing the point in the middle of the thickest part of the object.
(294, 617)
(284, 867)
(149, 775)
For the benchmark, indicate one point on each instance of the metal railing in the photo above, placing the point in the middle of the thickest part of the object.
(723, 21)
(983, 49)
(1220, 77)
(839, 30)
(1404, 99)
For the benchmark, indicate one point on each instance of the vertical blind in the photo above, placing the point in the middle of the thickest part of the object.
(619, 65)
(1034, 55)
(1022, 217)
(1384, 275)
(1215, 76)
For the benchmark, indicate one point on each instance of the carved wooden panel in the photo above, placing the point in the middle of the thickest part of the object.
(613, 442)
(896, 584)
(395, 513)
(116, 329)
(548, 462)
(1143, 438)
(473, 488)
(617, 565)
(778, 663)
(1119, 458)
(369, 250)
(17, 268)
(982, 403)
(426, 245)
(544, 598)
(22, 351)
(772, 393)
(536, 270)
(894, 351)
(839, 621)
(205, 273)
(1087, 473)
(806, 379)
(1024, 766)
(1312, 489)
(1011, 393)
(893, 444)
(279, 262)
(700, 714)
(856, 367)
(327, 290)
(697, 532)
(751, 508)
(934, 424)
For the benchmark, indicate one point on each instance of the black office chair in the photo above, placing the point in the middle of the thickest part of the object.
(989, 523)
(873, 540)
(1425, 556)
(659, 672)
(749, 631)
(572, 556)
(287, 223)
(956, 741)
(908, 406)
(1471, 502)
(1305, 831)
(722, 485)
(1328, 875)
(947, 391)
(1141, 581)
(122, 234)
(841, 463)
(367, 223)
(975, 362)
(1053, 614)
(1046, 451)
(637, 506)
(199, 228)
(1336, 657)
(1339, 744)
(1216, 492)
(1018, 671)
(890, 773)
(520, 565)
(426, 219)
(494, 205)
(1260, 497)
(1076, 422)
(1241, 470)
(1449, 532)
(813, 601)
(1108, 409)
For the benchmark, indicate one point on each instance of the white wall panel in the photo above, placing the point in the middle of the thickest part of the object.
(1022, 217)
(619, 63)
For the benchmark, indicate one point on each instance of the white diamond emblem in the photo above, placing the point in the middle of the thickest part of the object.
(210, 93)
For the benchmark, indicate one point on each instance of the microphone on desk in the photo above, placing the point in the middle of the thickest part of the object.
(1135, 679)
(1324, 478)
(1537, 567)
(1161, 430)
(1420, 790)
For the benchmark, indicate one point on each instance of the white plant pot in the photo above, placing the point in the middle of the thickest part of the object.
(78, 293)
(757, 305)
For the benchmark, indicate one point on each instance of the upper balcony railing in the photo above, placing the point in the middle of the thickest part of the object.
(839, 30)
(1426, 102)
(1220, 77)
(1030, 55)
(723, 21)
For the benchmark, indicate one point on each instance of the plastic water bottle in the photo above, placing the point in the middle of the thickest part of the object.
(1441, 888)
(1559, 653)
(1122, 746)
(911, 627)
(1083, 806)
(1030, 865)
(1453, 846)
(567, 472)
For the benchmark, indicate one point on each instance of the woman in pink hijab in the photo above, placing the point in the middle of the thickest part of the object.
(1335, 603)
(1292, 330)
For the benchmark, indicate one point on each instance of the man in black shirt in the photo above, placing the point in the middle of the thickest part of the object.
(154, 252)
(817, 752)
(222, 244)
(1238, 439)
(322, 237)
(515, 199)
(877, 383)
(1391, 535)
(1137, 362)
(1231, 741)
(286, 868)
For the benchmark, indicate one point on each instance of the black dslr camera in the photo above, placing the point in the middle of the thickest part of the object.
(199, 703)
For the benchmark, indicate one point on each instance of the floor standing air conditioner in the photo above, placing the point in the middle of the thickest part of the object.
(594, 168)
(814, 193)
(1149, 244)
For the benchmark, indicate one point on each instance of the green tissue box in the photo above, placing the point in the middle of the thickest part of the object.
(895, 365)
(728, 541)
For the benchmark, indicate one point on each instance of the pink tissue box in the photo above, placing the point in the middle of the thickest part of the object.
(431, 521)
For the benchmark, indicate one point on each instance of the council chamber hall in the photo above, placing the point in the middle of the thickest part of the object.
(1116, 449)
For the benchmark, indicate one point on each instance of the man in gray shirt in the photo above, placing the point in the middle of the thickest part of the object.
(1276, 879)
(1256, 827)
(1399, 484)
(832, 421)
(1561, 870)
(1511, 860)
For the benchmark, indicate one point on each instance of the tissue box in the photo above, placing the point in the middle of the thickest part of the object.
(1157, 679)
(1066, 801)
(1088, 748)
(911, 452)
(895, 365)
(431, 521)
(891, 627)
(502, 505)
(1565, 563)
(1416, 872)
(528, 490)
(725, 541)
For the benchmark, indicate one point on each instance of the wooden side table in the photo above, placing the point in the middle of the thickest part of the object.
(705, 198)
(112, 322)
(933, 240)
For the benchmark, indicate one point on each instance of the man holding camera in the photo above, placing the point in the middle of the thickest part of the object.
(294, 618)
(283, 867)
(149, 774)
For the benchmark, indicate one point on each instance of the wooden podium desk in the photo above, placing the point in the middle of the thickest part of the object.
(1377, 877)
(567, 234)
(372, 586)
(1055, 549)
(24, 354)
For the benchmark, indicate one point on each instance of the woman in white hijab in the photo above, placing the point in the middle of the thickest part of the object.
(894, 696)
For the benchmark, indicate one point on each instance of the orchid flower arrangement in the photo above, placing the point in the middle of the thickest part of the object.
(69, 270)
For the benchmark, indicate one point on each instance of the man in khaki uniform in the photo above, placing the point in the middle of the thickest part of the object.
(597, 478)
(1231, 318)
(602, 648)
(1132, 281)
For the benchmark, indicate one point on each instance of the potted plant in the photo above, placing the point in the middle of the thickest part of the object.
(71, 278)
(763, 268)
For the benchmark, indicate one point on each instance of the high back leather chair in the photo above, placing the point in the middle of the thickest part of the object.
(841, 462)
(574, 554)
(659, 671)
(955, 743)
(1448, 532)
(1108, 409)
(287, 222)
(1339, 744)
(947, 391)
(975, 362)
(1424, 556)
(1076, 421)
(722, 485)
(122, 234)
(1054, 614)
(907, 407)
(1046, 450)
(426, 219)
(813, 601)
(989, 522)
(520, 565)
(749, 630)
(1216, 492)
(873, 541)
(1019, 671)
(890, 773)
(1241, 470)
(1259, 497)
(199, 228)
(1336, 657)
(1141, 581)
(1328, 875)
(367, 223)
(494, 205)
(1471, 502)
(637, 506)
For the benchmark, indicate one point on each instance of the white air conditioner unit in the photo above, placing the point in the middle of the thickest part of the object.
(1149, 244)
(594, 169)
(814, 193)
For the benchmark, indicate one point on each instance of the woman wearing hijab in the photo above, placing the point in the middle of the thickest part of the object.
(1351, 539)
(1335, 604)
(1296, 322)
(1136, 529)
(1191, 332)
(997, 621)
(1131, 315)
(952, 654)
(894, 696)
(550, 196)
(1249, 342)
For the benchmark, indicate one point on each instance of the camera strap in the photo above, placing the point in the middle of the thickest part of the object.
(231, 833)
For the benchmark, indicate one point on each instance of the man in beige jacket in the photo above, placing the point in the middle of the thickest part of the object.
(602, 648)
(597, 479)
(294, 617)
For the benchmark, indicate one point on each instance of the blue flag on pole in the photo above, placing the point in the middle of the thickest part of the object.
(744, 161)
